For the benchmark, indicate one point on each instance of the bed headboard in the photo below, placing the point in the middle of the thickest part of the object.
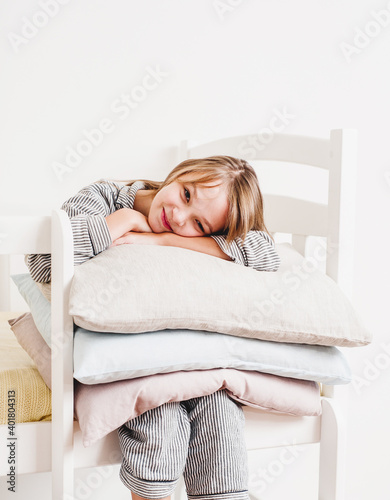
(335, 220)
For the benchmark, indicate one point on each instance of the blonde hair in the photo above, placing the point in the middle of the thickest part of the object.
(246, 208)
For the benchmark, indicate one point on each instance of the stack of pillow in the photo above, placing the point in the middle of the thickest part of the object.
(158, 324)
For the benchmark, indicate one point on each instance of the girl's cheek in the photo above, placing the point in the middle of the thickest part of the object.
(153, 224)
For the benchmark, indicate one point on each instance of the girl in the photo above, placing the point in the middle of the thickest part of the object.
(211, 205)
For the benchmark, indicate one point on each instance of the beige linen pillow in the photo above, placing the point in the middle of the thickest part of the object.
(141, 288)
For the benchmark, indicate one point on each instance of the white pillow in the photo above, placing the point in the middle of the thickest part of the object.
(39, 306)
(141, 288)
(108, 357)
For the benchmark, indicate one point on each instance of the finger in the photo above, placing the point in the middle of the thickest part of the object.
(117, 242)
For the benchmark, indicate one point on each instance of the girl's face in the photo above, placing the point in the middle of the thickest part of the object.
(189, 210)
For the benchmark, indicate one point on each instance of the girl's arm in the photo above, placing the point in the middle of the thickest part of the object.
(257, 251)
(203, 244)
(124, 220)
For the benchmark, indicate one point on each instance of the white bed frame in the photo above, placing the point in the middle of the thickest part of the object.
(57, 446)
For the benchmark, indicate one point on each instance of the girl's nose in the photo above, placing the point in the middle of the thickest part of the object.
(178, 216)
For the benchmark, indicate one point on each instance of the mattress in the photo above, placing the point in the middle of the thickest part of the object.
(21, 386)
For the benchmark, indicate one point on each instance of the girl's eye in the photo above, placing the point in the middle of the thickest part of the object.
(200, 226)
(187, 194)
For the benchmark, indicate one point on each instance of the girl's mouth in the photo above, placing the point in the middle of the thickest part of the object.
(164, 220)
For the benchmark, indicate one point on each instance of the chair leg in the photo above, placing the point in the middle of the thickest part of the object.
(332, 452)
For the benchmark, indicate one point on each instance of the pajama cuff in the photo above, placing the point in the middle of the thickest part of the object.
(237, 495)
(147, 489)
(231, 249)
(98, 233)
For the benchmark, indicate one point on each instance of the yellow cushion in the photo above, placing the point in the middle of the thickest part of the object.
(18, 373)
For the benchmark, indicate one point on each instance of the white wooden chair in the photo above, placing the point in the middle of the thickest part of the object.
(335, 221)
(58, 443)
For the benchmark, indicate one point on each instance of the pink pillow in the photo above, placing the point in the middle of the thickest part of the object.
(103, 408)
(32, 342)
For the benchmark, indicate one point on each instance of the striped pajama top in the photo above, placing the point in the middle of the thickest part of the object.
(89, 207)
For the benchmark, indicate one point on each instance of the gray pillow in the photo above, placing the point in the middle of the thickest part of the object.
(144, 288)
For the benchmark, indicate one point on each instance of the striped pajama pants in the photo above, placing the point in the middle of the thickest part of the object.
(201, 438)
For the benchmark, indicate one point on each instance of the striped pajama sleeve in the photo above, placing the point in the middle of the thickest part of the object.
(257, 251)
(87, 211)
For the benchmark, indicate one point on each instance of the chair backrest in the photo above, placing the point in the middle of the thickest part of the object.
(20, 235)
(24, 234)
(335, 220)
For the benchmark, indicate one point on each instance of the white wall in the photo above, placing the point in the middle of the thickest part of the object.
(225, 66)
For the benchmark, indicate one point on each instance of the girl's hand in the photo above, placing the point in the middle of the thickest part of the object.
(124, 220)
(203, 244)
(138, 222)
(139, 238)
